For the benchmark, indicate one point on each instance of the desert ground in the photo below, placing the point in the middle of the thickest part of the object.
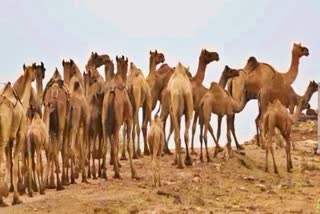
(236, 185)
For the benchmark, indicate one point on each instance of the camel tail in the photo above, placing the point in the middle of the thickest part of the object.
(110, 119)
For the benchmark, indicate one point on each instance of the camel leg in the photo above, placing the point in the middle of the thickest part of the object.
(257, 121)
(133, 171)
(83, 156)
(8, 153)
(4, 190)
(166, 147)
(177, 159)
(201, 140)
(123, 153)
(103, 150)
(229, 137)
(206, 143)
(59, 184)
(64, 174)
(188, 159)
(135, 130)
(218, 147)
(233, 131)
(93, 155)
(38, 169)
(219, 127)
(29, 165)
(115, 154)
(194, 126)
(34, 177)
(288, 153)
(274, 160)
(16, 199)
(146, 150)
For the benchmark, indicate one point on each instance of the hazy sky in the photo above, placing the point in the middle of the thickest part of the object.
(49, 31)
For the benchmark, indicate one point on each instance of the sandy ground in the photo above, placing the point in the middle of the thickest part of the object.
(236, 185)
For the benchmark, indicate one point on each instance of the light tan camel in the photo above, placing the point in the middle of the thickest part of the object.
(217, 100)
(285, 94)
(116, 111)
(181, 103)
(277, 116)
(140, 96)
(56, 101)
(77, 129)
(95, 91)
(71, 74)
(156, 144)
(37, 140)
(13, 126)
(257, 74)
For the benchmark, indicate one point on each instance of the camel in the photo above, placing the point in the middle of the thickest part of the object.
(217, 100)
(13, 126)
(154, 59)
(94, 87)
(156, 144)
(40, 75)
(181, 103)
(99, 60)
(77, 129)
(140, 96)
(37, 140)
(56, 101)
(257, 74)
(285, 94)
(116, 111)
(277, 116)
(72, 74)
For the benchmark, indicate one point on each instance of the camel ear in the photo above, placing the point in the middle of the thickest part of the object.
(71, 61)
(117, 58)
(150, 52)
(62, 63)
(24, 66)
(34, 65)
(126, 59)
(156, 51)
(226, 67)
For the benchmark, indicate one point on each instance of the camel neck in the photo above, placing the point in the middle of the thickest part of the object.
(223, 81)
(66, 76)
(297, 113)
(292, 73)
(152, 65)
(199, 77)
(39, 86)
(109, 71)
(26, 94)
(239, 106)
(308, 94)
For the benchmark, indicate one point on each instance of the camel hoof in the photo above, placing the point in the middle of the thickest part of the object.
(188, 161)
(73, 181)
(135, 156)
(16, 200)
(51, 186)
(124, 158)
(42, 192)
(139, 153)
(85, 181)
(104, 176)
(65, 182)
(60, 188)
(146, 152)
(201, 160)
(117, 176)
(2, 204)
(180, 166)
(11, 189)
(209, 160)
(193, 152)
(30, 194)
(4, 191)
(239, 147)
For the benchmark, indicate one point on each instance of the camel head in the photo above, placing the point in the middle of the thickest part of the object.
(30, 71)
(208, 56)
(122, 64)
(158, 57)
(300, 50)
(40, 72)
(69, 67)
(230, 72)
(313, 87)
(98, 60)
(56, 75)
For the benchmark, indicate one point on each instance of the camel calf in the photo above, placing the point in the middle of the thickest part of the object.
(277, 116)
(37, 139)
(156, 144)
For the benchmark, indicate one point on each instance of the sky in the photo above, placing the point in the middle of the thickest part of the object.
(50, 31)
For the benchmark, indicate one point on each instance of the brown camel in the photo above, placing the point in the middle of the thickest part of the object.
(78, 118)
(181, 103)
(217, 100)
(116, 111)
(37, 140)
(277, 116)
(257, 74)
(99, 60)
(13, 126)
(72, 74)
(40, 75)
(154, 59)
(56, 101)
(156, 144)
(94, 87)
(285, 94)
(140, 96)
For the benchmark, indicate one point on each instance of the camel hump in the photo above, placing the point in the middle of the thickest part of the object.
(252, 63)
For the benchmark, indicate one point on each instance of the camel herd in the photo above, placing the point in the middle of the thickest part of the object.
(76, 117)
